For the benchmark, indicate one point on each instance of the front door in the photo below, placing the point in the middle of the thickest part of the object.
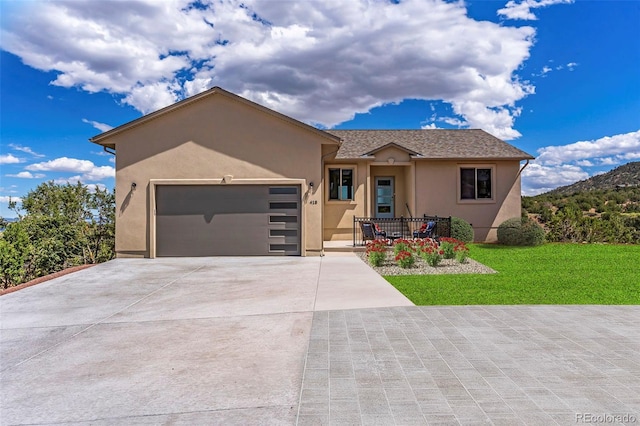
(384, 197)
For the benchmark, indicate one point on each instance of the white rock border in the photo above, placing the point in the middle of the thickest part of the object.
(420, 267)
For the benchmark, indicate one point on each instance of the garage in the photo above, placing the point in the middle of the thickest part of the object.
(228, 220)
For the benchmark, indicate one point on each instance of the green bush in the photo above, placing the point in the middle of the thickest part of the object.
(520, 231)
(461, 230)
(62, 226)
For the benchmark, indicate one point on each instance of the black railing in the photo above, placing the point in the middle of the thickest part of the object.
(369, 228)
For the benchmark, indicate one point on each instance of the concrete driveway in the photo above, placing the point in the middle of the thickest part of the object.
(173, 341)
(306, 341)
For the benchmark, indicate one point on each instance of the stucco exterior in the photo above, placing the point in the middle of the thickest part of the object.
(202, 142)
(428, 187)
(218, 138)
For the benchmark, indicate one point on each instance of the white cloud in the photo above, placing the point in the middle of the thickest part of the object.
(27, 175)
(88, 170)
(25, 149)
(522, 9)
(151, 97)
(100, 126)
(7, 198)
(537, 178)
(319, 62)
(8, 159)
(621, 147)
(566, 164)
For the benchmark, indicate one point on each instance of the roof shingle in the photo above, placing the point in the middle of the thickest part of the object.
(428, 143)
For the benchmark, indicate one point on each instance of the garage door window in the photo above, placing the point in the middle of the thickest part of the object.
(283, 219)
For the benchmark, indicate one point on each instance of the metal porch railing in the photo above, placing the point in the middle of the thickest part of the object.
(400, 227)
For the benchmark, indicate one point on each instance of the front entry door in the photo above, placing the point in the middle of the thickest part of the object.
(385, 197)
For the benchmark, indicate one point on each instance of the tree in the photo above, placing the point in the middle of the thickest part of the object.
(62, 226)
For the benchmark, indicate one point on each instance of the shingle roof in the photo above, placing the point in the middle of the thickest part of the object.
(429, 143)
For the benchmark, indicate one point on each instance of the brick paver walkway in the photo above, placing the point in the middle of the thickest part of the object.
(501, 365)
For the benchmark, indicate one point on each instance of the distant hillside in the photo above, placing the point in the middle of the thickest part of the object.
(604, 208)
(628, 174)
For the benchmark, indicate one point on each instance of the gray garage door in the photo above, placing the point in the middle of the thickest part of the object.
(227, 220)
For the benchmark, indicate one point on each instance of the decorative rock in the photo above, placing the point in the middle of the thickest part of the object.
(420, 267)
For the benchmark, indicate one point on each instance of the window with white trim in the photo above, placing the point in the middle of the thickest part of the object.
(476, 183)
(340, 184)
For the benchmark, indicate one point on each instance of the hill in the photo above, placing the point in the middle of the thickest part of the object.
(604, 208)
(625, 175)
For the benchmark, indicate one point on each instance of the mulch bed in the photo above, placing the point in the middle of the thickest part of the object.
(45, 278)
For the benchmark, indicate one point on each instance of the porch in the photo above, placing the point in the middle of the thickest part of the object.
(369, 228)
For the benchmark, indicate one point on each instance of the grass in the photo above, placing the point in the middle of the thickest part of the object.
(556, 274)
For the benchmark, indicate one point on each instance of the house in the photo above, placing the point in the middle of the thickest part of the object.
(217, 174)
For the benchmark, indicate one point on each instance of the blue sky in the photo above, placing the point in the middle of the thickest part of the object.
(559, 79)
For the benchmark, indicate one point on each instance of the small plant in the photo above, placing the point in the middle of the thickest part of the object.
(377, 252)
(448, 248)
(454, 248)
(405, 259)
(402, 245)
(430, 252)
(462, 253)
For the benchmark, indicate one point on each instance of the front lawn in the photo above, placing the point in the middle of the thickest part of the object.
(555, 274)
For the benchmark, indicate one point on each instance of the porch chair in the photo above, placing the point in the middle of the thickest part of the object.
(425, 231)
(370, 231)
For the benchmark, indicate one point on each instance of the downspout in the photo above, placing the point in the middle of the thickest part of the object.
(106, 149)
(523, 167)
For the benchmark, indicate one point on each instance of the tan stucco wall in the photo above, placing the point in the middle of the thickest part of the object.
(428, 187)
(437, 194)
(208, 139)
(392, 161)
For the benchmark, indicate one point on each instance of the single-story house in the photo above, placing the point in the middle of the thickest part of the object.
(217, 174)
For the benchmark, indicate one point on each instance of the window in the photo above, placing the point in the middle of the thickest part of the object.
(475, 183)
(341, 184)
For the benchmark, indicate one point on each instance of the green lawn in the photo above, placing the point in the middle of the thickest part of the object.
(548, 274)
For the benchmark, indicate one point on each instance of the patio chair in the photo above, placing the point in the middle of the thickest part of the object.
(371, 231)
(425, 231)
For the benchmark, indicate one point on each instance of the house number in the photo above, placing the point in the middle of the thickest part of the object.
(313, 202)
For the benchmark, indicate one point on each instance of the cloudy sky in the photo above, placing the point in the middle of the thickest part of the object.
(557, 78)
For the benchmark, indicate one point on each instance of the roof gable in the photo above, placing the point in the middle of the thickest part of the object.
(104, 138)
(428, 144)
(373, 152)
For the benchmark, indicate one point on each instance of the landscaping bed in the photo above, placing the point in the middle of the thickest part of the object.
(420, 267)
(425, 257)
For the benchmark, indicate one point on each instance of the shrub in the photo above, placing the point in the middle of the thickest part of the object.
(405, 259)
(520, 231)
(377, 252)
(402, 245)
(452, 248)
(462, 253)
(448, 248)
(461, 230)
(430, 252)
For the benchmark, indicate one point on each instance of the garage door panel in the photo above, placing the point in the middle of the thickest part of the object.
(227, 220)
